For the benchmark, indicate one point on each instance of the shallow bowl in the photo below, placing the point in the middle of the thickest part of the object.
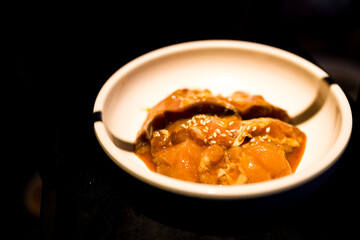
(223, 66)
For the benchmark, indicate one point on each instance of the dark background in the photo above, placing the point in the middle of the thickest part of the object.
(58, 62)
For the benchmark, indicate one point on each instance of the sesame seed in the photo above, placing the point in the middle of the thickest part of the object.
(231, 123)
(223, 135)
(221, 123)
(204, 130)
(213, 142)
(254, 128)
(215, 134)
(205, 140)
(221, 172)
(164, 132)
(217, 130)
(230, 141)
(252, 140)
(267, 129)
(230, 134)
(248, 128)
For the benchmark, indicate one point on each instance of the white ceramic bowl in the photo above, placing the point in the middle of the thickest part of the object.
(223, 66)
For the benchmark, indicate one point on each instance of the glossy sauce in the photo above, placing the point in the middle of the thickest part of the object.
(218, 147)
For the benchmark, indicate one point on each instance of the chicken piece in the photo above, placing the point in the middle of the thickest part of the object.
(259, 161)
(287, 137)
(212, 158)
(180, 161)
(184, 103)
(255, 106)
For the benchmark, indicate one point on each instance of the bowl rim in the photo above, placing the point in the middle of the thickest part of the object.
(217, 191)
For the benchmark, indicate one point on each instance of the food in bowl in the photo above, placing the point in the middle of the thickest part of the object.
(198, 137)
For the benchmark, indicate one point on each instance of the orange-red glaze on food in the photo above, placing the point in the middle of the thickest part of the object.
(195, 136)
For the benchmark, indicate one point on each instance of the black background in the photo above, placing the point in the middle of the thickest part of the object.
(60, 60)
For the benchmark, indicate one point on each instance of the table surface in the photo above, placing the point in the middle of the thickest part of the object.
(87, 196)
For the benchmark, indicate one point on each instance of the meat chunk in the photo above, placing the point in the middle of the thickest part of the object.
(255, 106)
(180, 161)
(184, 103)
(286, 136)
(260, 160)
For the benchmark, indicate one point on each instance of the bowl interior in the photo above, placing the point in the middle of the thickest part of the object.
(223, 67)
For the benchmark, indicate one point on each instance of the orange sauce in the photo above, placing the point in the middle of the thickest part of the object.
(225, 149)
